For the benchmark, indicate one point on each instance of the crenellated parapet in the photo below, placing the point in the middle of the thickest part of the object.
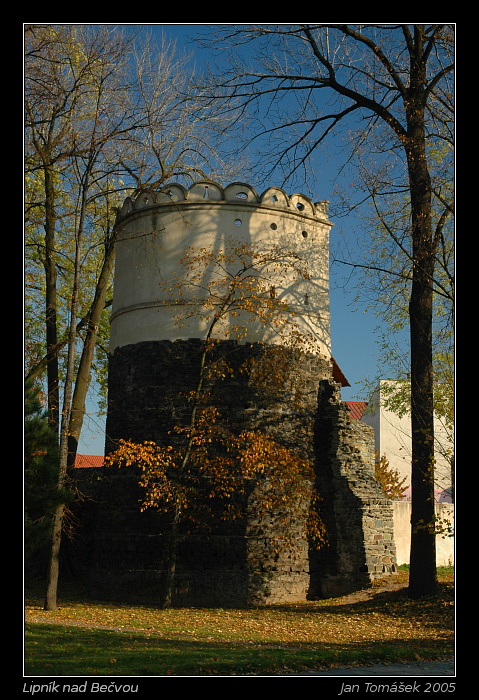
(237, 193)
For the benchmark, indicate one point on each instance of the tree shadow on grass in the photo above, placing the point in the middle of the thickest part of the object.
(85, 651)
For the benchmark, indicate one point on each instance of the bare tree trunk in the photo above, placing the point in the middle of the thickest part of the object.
(54, 567)
(84, 369)
(172, 557)
(52, 377)
(54, 564)
(423, 575)
(51, 304)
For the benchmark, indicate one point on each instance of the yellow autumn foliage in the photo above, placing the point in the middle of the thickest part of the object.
(223, 469)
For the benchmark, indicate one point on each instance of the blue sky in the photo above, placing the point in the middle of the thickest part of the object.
(353, 328)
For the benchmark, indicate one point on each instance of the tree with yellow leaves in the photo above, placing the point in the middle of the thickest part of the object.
(389, 478)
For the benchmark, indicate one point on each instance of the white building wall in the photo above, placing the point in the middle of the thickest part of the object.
(392, 435)
(402, 533)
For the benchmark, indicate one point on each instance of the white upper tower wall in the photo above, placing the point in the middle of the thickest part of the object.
(157, 228)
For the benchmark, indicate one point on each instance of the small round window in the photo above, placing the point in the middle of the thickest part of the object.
(304, 234)
(241, 195)
(237, 222)
(274, 227)
(300, 206)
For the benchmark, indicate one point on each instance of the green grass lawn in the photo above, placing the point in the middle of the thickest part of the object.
(88, 638)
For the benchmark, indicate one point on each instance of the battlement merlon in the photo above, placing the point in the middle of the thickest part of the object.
(238, 193)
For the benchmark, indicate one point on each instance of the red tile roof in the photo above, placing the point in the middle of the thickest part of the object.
(338, 376)
(356, 408)
(83, 461)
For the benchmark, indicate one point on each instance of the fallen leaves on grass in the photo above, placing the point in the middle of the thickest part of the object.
(388, 616)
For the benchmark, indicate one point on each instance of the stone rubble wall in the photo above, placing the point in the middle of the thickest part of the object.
(358, 516)
(235, 565)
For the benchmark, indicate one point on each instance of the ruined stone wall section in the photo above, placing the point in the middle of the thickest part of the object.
(358, 515)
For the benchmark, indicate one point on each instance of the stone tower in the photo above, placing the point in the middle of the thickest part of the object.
(161, 319)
